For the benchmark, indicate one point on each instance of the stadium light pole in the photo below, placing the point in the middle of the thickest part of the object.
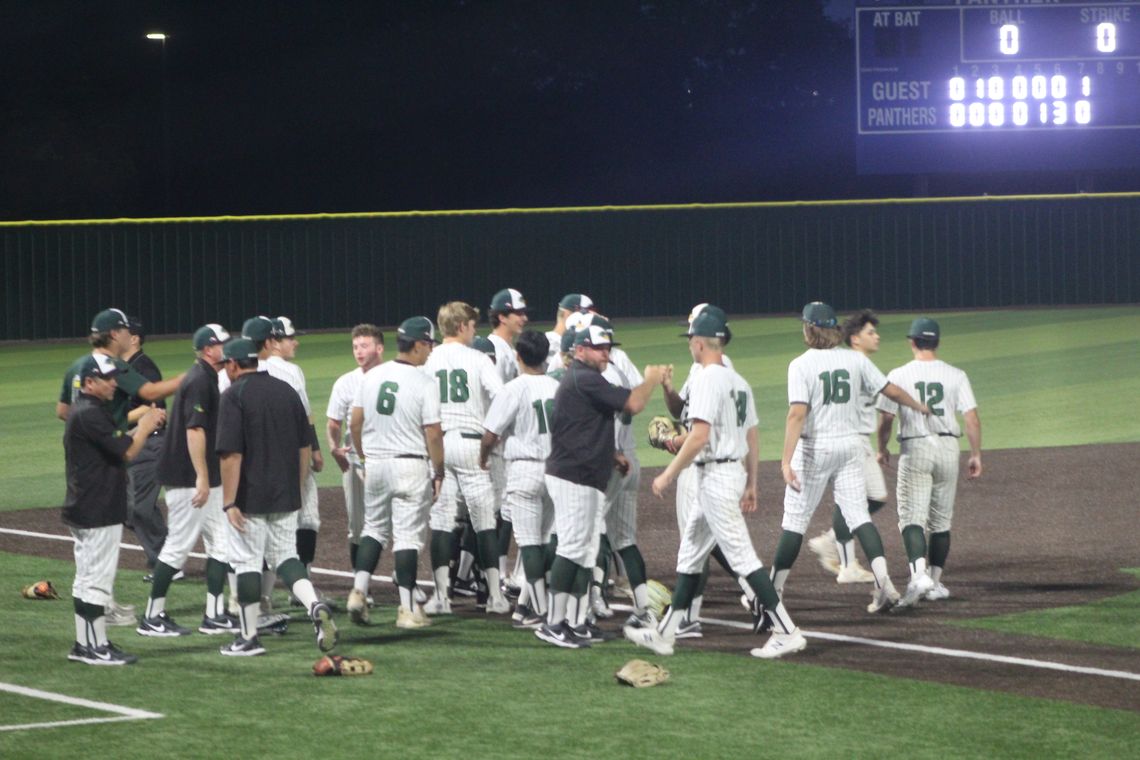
(164, 157)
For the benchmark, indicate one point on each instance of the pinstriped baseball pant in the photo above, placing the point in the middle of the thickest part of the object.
(823, 461)
(576, 509)
(271, 538)
(620, 511)
(532, 511)
(928, 482)
(397, 498)
(309, 518)
(716, 520)
(96, 560)
(464, 480)
(185, 523)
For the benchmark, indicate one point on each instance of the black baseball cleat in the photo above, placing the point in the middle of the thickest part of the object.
(463, 587)
(560, 635)
(689, 629)
(240, 647)
(79, 653)
(108, 654)
(160, 626)
(211, 626)
(525, 617)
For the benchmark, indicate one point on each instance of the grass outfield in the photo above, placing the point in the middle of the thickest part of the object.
(1042, 378)
(460, 692)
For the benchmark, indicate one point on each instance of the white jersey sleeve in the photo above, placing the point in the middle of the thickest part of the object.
(341, 399)
(506, 363)
(292, 374)
(623, 421)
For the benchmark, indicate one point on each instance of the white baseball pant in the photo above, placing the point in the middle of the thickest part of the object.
(352, 482)
(270, 538)
(576, 509)
(873, 473)
(686, 495)
(185, 523)
(397, 498)
(531, 508)
(716, 520)
(928, 482)
(309, 517)
(498, 472)
(620, 509)
(820, 462)
(96, 560)
(469, 482)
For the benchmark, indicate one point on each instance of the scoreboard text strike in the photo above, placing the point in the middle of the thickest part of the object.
(1057, 75)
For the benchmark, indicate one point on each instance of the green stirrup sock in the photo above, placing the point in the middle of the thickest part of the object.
(290, 571)
(839, 525)
(368, 555)
(874, 506)
(562, 575)
(162, 576)
(870, 540)
(787, 549)
(405, 561)
(634, 565)
(216, 576)
(534, 564)
(249, 588)
(441, 541)
(915, 542)
(685, 590)
(939, 548)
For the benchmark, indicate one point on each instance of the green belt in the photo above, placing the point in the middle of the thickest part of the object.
(472, 436)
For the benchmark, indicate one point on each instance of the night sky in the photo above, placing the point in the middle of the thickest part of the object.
(295, 107)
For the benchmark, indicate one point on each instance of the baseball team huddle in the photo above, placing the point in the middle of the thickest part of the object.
(464, 443)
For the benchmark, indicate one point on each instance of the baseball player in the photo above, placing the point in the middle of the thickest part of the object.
(677, 403)
(929, 456)
(190, 472)
(396, 428)
(835, 548)
(110, 336)
(283, 345)
(519, 417)
(508, 315)
(571, 303)
(144, 517)
(823, 445)
(723, 435)
(96, 450)
(368, 352)
(578, 472)
(467, 384)
(264, 445)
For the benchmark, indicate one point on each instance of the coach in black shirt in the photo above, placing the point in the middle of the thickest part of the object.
(578, 470)
(96, 452)
(263, 442)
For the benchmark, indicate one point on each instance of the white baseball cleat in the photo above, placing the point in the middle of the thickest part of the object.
(358, 607)
(938, 593)
(780, 644)
(882, 599)
(650, 638)
(823, 546)
(418, 595)
(438, 605)
(855, 573)
(601, 609)
(498, 605)
(919, 586)
(416, 618)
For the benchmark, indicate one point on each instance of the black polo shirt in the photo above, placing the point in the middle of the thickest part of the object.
(194, 406)
(582, 427)
(262, 418)
(94, 447)
(128, 382)
(145, 366)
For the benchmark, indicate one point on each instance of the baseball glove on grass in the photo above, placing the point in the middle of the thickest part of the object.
(335, 665)
(40, 590)
(639, 674)
(662, 431)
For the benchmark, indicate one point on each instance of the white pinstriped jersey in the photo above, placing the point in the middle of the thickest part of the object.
(686, 389)
(867, 411)
(621, 372)
(554, 355)
(398, 400)
(942, 387)
(520, 414)
(505, 358)
(341, 399)
(830, 382)
(467, 382)
(722, 398)
(290, 373)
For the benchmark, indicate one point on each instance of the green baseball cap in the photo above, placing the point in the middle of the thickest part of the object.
(567, 344)
(483, 344)
(508, 299)
(210, 335)
(240, 348)
(258, 329)
(108, 320)
(710, 323)
(417, 328)
(576, 302)
(97, 365)
(820, 314)
(597, 332)
(924, 327)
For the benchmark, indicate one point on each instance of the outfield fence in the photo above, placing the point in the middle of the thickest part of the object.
(333, 270)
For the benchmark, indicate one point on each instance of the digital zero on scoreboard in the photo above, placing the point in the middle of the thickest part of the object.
(984, 85)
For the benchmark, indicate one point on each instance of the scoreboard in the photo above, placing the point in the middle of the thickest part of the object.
(997, 85)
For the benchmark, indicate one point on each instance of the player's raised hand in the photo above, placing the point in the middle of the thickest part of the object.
(974, 467)
(790, 477)
(655, 374)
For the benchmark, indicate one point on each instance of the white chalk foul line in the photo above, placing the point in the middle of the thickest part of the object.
(940, 651)
(121, 712)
